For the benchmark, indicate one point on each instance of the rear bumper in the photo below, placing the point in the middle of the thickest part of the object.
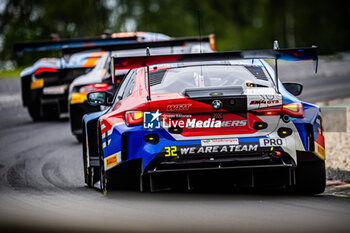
(48, 104)
(241, 167)
(219, 166)
(165, 151)
(55, 103)
(244, 162)
(273, 175)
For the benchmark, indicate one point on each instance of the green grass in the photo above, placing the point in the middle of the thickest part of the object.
(10, 73)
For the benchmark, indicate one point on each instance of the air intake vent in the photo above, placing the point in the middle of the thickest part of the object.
(257, 72)
(156, 77)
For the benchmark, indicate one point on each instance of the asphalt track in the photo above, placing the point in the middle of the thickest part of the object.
(332, 80)
(42, 189)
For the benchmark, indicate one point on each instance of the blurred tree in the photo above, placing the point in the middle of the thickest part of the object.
(28, 20)
(244, 24)
(237, 24)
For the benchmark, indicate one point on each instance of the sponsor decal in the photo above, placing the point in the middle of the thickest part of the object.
(233, 123)
(210, 123)
(112, 160)
(268, 142)
(216, 104)
(55, 90)
(217, 149)
(264, 102)
(178, 107)
(319, 142)
(320, 151)
(151, 120)
(219, 142)
(155, 120)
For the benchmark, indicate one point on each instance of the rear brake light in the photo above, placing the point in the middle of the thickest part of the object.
(40, 70)
(268, 111)
(100, 85)
(293, 110)
(94, 87)
(134, 118)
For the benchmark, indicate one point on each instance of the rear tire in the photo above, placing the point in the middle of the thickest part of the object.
(87, 170)
(90, 173)
(79, 137)
(104, 175)
(37, 115)
(104, 181)
(310, 177)
(34, 112)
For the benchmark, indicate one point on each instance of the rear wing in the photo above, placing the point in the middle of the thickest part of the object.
(109, 44)
(289, 54)
(56, 45)
(297, 54)
(182, 41)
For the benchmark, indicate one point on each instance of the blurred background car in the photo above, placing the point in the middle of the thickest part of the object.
(45, 84)
(100, 79)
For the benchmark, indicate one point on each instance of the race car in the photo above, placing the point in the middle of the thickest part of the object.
(100, 78)
(45, 84)
(219, 119)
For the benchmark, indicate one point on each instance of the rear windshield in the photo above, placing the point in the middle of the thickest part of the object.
(175, 80)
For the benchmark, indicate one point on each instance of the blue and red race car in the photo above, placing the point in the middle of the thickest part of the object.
(219, 119)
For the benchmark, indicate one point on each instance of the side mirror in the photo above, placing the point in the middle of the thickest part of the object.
(293, 88)
(98, 98)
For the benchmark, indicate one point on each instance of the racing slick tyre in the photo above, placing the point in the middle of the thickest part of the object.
(104, 178)
(51, 115)
(87, 170)
(310, 177)
(90, 175)
(104, 175)
(79, 137)
(37, 115)
(125, 177)
(34, 112)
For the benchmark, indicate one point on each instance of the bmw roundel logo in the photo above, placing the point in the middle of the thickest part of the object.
(216, 104)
